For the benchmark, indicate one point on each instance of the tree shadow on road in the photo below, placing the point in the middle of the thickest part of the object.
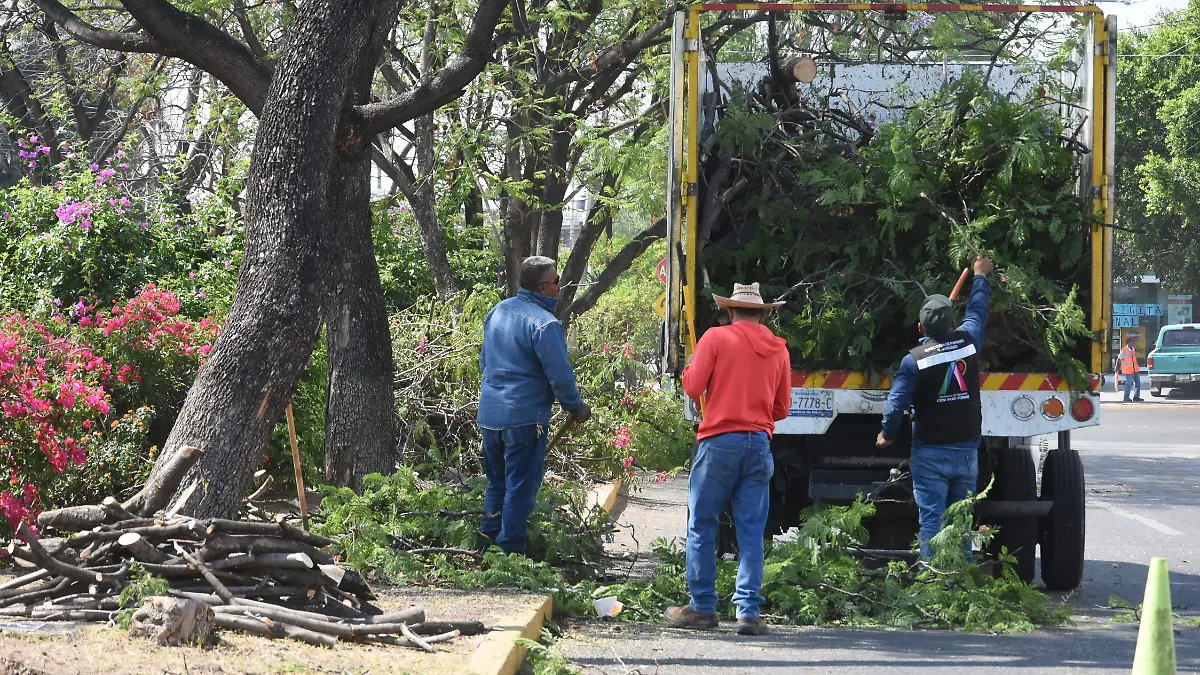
(1126, 580)
(1146, 480)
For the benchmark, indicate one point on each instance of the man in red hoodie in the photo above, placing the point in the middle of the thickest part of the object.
(742, 373)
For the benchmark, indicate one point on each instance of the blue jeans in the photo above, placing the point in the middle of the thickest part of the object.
(729, 468)
(1133, 382)
(514, 460)
(940, 476)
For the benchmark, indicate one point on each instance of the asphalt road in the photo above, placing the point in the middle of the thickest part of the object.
(1143, 478)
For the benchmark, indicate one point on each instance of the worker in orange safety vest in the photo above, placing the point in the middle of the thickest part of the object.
(1127, 365)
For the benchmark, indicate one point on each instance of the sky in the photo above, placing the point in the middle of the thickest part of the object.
(1139, 12)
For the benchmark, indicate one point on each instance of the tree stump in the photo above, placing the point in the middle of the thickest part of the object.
(173, 621)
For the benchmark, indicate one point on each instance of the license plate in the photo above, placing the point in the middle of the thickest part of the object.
(812, 403)
(1183, 378)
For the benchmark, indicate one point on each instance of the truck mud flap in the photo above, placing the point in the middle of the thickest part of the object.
(987, 508)
(844, 486)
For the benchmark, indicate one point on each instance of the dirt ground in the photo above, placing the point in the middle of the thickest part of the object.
(87, 649)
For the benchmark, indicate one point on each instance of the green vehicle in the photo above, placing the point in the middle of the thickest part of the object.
(1175, 360)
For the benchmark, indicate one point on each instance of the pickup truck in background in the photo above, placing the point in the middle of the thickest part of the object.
(1175, 360)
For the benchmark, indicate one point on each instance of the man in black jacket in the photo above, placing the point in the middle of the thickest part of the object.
(939, 381)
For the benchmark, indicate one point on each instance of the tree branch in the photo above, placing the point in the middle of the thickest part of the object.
(21, 102)
(447, 84)
(614, 56)
(248, 34)
(97, 37)
(188, 37)
(619, 264)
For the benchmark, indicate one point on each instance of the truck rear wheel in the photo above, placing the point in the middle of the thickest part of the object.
(1063, 529)
(1016, 480)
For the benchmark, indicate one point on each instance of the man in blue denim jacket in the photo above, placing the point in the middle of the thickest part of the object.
(525, 367)
(939, 381)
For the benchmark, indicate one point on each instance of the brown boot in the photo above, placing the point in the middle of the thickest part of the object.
(751, 625)
(686, 617)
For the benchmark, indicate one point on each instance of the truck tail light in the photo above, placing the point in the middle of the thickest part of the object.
(1149, 361)
(1022, 408)
(1082, 409)
(1052, 408)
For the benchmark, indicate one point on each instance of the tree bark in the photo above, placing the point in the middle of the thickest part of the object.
(309, 128)
(241, 391)
(360, 429)
(360, 426)
(557, 183)
(516, 214)
(598, 220)
(424, 209)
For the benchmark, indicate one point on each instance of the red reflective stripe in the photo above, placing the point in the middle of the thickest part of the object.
(877, 382)
(799, 377)
(836, 379)
(1013, 381)
(1050, 383)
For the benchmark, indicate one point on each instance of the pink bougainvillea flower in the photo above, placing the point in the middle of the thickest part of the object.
(623, 438)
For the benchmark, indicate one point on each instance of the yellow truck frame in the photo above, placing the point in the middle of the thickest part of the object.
(682, 174)
(825, 450)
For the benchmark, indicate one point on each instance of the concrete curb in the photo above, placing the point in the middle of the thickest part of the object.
(614, 493)
(499, 654)
(607, 495)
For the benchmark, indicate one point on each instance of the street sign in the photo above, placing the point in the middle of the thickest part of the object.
(660, 306)
(662, 270)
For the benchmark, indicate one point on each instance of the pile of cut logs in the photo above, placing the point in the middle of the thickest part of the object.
(267, 578)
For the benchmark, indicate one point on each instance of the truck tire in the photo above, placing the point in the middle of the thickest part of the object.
(1063, 529)
(1016, 480)
(1156, 391)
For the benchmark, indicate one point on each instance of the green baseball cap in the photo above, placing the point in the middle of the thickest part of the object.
(937, 315)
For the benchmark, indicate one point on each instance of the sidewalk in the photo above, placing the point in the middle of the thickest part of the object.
(1188, 397)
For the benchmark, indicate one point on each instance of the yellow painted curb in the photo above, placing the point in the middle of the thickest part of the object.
(610, 502)
(499, 654)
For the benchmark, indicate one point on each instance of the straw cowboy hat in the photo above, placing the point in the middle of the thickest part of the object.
(745, 296)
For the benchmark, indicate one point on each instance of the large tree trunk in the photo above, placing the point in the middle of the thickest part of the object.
(360, 426)
(557, 183)
(360, 430)
(241, 391)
